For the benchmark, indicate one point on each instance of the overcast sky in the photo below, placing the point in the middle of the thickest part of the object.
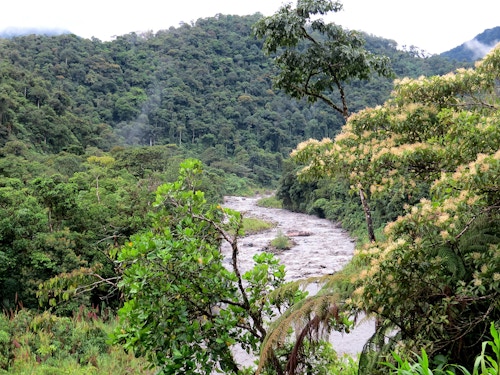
(433, 25)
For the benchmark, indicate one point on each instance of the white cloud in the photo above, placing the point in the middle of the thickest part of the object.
(479, 49)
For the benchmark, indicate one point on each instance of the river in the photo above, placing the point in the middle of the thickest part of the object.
(321, 247)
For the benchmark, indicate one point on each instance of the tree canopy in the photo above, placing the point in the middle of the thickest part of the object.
(315, 59)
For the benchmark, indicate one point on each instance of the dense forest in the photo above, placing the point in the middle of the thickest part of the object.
(92, 135)
(205, 88)
(83, 119)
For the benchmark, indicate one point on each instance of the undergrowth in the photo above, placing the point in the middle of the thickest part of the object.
(48, 344)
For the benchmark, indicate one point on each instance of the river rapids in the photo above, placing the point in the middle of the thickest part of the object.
(321, 247)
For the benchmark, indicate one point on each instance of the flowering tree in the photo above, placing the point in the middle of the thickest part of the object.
(317, 59)
(433, 278)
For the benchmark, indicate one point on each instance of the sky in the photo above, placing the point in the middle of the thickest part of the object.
(432, 25)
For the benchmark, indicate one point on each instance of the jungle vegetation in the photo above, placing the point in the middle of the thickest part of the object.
(114, 158)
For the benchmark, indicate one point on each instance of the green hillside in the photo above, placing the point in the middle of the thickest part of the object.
(476, 48)
(115, 157)
(204, 87)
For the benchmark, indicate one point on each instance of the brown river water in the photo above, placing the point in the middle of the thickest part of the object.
(321, 247)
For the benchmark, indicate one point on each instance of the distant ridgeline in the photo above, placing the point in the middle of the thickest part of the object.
(205, 87)
(476, 48)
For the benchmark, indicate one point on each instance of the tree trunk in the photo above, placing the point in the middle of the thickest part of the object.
(368, 215)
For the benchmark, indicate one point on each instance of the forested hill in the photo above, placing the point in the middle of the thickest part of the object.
(204, 87)
(476, 48)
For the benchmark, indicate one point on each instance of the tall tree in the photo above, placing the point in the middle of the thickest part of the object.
(316, 59)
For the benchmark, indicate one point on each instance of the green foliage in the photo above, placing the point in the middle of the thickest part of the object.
(183, 308)
(269, 202)
(421, 366)
(57, 224)
(485, 363)
(281, 241)
(316, 59)
(48, 344)
(5, 343)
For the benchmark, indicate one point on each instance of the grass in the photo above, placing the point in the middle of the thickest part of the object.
(282, 242)
(270, 202)
(254, 225)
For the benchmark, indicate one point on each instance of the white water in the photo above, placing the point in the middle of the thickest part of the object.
(325, 250)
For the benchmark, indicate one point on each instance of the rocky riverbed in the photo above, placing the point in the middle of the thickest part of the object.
(321, 247)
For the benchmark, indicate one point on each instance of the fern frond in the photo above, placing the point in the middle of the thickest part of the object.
(452, 262)
(313, 318)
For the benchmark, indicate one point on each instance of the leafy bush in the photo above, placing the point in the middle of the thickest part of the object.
(282, 242)
(47, 344)
(270, 202)
(5, 342)
(487, 363)
(184, 308)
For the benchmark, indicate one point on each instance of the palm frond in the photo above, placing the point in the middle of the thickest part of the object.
(311, 319)
(308, 319)
(377, 348)
(293, 286)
